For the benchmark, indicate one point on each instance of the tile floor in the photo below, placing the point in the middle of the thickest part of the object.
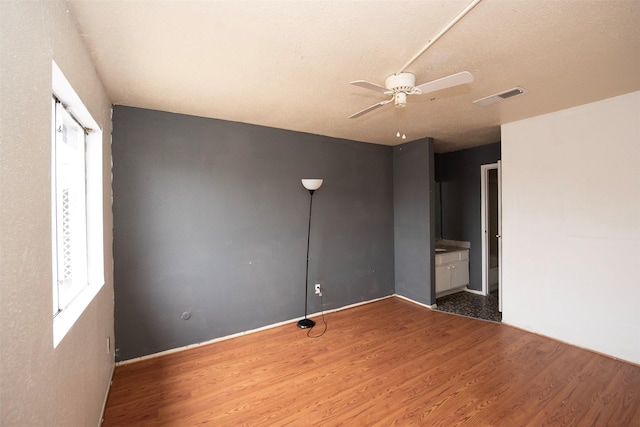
(471, 305)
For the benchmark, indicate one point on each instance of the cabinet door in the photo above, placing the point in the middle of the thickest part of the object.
(443, 282)
(459, 274)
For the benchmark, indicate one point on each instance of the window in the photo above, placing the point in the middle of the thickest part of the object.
(76, 187)
(71, 209)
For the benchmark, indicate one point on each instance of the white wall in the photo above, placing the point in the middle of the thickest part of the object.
(571, 225)
(40, 385)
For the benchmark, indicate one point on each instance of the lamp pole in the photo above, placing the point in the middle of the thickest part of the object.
(312, 185)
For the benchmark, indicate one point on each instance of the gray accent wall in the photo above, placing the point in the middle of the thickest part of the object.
(210, 223)
(458, 173)
(414, 220)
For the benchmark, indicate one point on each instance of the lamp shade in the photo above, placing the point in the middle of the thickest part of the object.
(312, 184)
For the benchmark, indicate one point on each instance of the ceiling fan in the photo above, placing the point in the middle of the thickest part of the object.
(400, 85)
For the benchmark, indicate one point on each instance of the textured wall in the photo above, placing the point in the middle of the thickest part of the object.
(211, 219)
(414, 220)
(571, 225)
(458, 173)
(40, 385)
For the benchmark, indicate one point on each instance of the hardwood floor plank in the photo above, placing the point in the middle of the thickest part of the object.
(390, 362)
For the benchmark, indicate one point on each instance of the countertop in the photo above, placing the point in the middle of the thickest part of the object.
(449, 248)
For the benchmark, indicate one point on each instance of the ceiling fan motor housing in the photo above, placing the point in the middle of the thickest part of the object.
(403, 82)
(401, 85)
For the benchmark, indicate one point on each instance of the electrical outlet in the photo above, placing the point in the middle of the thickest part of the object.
(318, 289)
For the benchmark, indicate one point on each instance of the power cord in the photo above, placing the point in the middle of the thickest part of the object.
(323, 321)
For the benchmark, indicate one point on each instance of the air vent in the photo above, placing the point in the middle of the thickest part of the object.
(492, 99)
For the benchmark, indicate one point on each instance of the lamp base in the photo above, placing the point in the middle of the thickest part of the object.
(306, 323)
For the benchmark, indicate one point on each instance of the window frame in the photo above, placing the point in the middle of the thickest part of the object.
(69, 175)
(65, 317)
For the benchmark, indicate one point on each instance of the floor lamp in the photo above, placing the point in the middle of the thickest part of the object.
(312, 185)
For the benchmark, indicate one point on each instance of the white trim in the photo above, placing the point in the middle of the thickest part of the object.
(415, 302)
(473, 291)
(64, 320)
(448, 292)
(63, 90)
(500, 283)
(54, 222)
(484, 169)
(251, 331)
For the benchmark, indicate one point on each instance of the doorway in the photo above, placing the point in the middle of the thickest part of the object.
(486, 303)
(491, 231)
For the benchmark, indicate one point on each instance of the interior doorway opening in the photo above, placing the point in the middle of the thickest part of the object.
(491, 231)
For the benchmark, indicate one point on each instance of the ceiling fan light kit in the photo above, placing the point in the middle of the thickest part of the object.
(401, 100)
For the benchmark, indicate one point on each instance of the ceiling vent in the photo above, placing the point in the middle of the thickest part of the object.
(492, 99)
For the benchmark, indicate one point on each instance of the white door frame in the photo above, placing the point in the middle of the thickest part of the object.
(484, 218)
(499, 236)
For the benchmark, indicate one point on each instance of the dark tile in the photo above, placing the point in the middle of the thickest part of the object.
(471, 305)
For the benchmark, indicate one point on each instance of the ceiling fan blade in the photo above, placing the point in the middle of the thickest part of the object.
(446, 82)
(371, 108)
(371, 86)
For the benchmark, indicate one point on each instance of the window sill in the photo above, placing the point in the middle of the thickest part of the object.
(64, 320)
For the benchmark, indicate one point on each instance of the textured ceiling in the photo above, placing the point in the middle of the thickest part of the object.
(288, 64)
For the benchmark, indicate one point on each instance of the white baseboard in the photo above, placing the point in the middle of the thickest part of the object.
(449, 292)
(473, 291)
(239, 334)
(414, 301)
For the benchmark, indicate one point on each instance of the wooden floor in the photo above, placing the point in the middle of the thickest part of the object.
(389, 362)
